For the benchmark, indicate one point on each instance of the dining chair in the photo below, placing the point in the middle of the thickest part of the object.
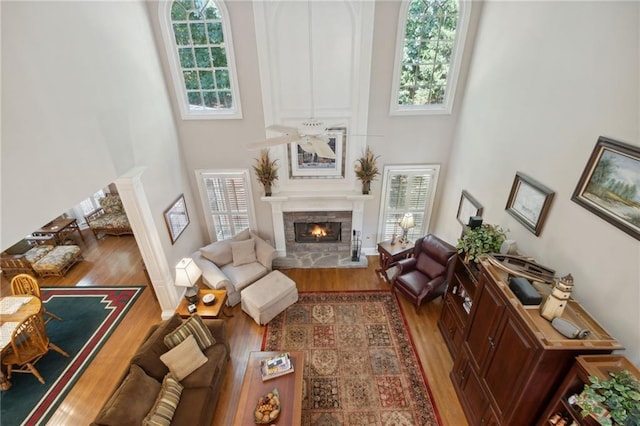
(25, 284)
(29, 343)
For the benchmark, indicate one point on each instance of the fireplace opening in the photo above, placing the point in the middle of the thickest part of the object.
(317, 232)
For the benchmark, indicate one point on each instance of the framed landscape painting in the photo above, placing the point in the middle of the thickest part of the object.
(529, 202)
(610, 185)
(318, 157)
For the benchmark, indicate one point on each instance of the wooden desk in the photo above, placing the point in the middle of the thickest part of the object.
(32, 307)
(390, 253)
(289, 387)
(59, 229)
(207, 312)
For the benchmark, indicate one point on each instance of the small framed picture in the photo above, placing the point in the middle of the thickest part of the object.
(176, 218)
(529, 202)
(610, 185)
(468, 207)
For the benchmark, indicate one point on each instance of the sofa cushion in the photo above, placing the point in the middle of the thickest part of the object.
(166, 403)
(205, 375)
(243, 275)
(191, 327)
(195, 407)
(242, 235)
(119, 410)
(111, 204)
(37, 253)
(218, 252)
(243, 252)
(184, 358)
(148, 354)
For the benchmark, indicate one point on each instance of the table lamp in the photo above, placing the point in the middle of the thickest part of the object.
(187, 275)
(406, 223)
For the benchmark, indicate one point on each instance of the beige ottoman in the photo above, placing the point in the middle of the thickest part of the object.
(269, 296)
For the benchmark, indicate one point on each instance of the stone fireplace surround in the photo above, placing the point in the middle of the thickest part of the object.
(347, 206)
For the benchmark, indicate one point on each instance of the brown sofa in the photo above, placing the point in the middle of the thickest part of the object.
(139, 388)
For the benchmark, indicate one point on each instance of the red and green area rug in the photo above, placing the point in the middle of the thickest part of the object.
(361, 367)
(90, 315)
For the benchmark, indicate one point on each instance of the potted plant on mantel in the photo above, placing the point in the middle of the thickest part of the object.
(476, 242)
(615, 401)
(266, 171)
(367, 169)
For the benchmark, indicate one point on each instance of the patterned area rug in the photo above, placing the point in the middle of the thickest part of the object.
(361, 367)
(89, 316)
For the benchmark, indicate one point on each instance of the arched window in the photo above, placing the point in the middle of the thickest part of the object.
(429, 45)
(200, 50)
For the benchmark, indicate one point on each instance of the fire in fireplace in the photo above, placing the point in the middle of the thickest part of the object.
(317, 232)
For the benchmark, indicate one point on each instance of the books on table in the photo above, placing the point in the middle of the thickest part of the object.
(276, 366)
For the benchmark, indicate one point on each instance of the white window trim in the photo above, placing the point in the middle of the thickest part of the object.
(164, 12)
(454, 69)
(202, 190)
(392, 170)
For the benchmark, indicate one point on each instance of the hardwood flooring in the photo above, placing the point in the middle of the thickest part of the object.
(116, 261)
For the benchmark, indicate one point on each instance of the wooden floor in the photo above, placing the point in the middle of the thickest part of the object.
(116, 261)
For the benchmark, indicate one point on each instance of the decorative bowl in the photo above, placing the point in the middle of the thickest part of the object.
(208, 299)
(268, 408)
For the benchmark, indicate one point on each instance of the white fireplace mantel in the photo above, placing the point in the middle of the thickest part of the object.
(313, 201)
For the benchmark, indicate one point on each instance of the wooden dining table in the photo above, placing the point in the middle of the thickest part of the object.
(13, 311)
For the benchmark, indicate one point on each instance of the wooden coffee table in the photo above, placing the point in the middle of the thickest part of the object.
(289, 387)
(207, 312)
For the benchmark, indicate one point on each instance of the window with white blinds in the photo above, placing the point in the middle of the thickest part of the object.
(226, 199)
(407, 189)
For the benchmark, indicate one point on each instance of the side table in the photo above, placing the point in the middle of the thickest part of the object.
(390, 253)
(206, 312)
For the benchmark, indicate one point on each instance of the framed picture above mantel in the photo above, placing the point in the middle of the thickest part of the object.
(610, 185)
(319, 157)
(529, 202)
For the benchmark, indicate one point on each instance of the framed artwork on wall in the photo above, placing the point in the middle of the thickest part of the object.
(176, 218)
(529, 202)
(321, 156)
(468, 207)
(610, 185)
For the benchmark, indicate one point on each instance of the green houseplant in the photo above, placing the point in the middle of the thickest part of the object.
(615, 401)
(366, 169)
(266, 171)
(481, 240)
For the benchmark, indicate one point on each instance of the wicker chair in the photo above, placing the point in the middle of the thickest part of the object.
(29, 343)
(25, 284)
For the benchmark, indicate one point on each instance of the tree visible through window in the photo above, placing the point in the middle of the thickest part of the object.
(202, 57)
(427, 59)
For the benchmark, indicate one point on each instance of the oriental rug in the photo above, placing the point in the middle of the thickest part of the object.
(89, 317)
(361, 367)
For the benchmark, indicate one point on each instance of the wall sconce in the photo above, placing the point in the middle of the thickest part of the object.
(187, 275)
(406, 223)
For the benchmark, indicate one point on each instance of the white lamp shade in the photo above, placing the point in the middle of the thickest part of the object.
(187, 273)
(407, 221)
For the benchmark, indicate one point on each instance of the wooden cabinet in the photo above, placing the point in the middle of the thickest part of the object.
(457, 305)
(584, 366)
(511, 360)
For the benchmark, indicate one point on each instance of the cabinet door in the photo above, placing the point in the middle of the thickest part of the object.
(450, 328)
(508, 364)
(472, 397)
(488, 311)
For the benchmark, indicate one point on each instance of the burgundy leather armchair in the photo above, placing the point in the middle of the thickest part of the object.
(423, 277)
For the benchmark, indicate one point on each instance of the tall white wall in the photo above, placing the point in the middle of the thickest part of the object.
(548, 78)
(83, 102)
